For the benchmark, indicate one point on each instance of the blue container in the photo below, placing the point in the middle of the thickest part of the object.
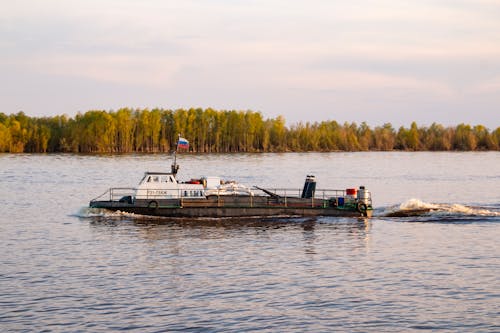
(340, 201)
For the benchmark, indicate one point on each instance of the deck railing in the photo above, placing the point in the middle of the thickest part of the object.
(116, 193)
(289, 192)
(282, 195)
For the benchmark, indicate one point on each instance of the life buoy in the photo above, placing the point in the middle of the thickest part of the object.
(361, 207)
(153, 204)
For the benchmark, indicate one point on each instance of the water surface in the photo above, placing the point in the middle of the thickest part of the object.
(66, 268)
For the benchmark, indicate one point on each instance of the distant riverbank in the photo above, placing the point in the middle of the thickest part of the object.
(221, 131)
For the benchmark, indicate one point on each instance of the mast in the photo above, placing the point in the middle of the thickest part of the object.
(175, 167)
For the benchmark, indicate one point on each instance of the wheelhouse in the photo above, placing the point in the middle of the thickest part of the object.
(164, 186)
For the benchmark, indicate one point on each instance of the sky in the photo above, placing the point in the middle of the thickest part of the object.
(377, 61)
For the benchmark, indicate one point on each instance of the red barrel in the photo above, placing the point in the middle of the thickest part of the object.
(350, 191)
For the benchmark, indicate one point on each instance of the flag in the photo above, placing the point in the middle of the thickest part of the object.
(183, 143)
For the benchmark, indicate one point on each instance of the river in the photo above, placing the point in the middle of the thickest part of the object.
(66, 268)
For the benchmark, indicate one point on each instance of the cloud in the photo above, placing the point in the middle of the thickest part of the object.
(122, 69)
(491, 86)
(362, 81)
(256, 52)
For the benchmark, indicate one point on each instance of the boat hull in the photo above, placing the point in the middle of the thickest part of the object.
(230, 207)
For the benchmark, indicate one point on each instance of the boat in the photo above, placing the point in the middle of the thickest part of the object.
(162, 194)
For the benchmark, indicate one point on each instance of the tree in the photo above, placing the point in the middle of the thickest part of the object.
(210, 130)
(5, 138)
(365, 136)
(483, 137)
(464, 138)
(125, 127)
(384, 137)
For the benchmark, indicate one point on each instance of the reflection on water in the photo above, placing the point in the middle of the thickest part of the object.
(155, 228)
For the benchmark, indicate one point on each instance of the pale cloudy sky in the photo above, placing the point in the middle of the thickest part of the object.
(377, 61)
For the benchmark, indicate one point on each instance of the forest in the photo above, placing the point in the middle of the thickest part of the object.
(220, 131)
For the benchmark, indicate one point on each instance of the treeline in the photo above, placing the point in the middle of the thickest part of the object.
(143, 130)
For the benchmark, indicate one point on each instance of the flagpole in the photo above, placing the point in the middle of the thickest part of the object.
(174, 167)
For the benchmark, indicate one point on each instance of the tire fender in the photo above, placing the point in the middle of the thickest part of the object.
(361, 207)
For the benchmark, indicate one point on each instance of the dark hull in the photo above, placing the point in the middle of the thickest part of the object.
(232, 207)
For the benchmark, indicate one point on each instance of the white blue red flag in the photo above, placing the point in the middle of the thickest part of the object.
(183, 143)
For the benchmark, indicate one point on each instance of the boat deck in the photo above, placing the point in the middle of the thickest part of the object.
(325, 202)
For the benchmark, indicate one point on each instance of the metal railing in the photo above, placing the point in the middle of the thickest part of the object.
(283, 196)
(288, 192)
(116, 193)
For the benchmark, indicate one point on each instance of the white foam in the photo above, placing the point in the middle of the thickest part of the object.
(87, 212)
(415, 204)
(465, 210)
(442, 209)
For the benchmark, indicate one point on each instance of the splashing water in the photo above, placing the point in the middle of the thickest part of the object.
(466, 210)
(412, 204)
(87, 212)
(416, 207)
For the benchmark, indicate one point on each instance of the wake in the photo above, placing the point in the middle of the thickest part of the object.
(87, 212)
(416, 207)
(412, 208)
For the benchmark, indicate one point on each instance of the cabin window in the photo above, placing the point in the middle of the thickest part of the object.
(185, 193)
(156, 179)
(171, 179)
(149, 179)
(164, 179)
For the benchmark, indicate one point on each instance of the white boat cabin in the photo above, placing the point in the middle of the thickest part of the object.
(159, 185)
(162, 185)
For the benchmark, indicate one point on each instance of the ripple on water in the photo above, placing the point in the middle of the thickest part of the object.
(66, 269)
